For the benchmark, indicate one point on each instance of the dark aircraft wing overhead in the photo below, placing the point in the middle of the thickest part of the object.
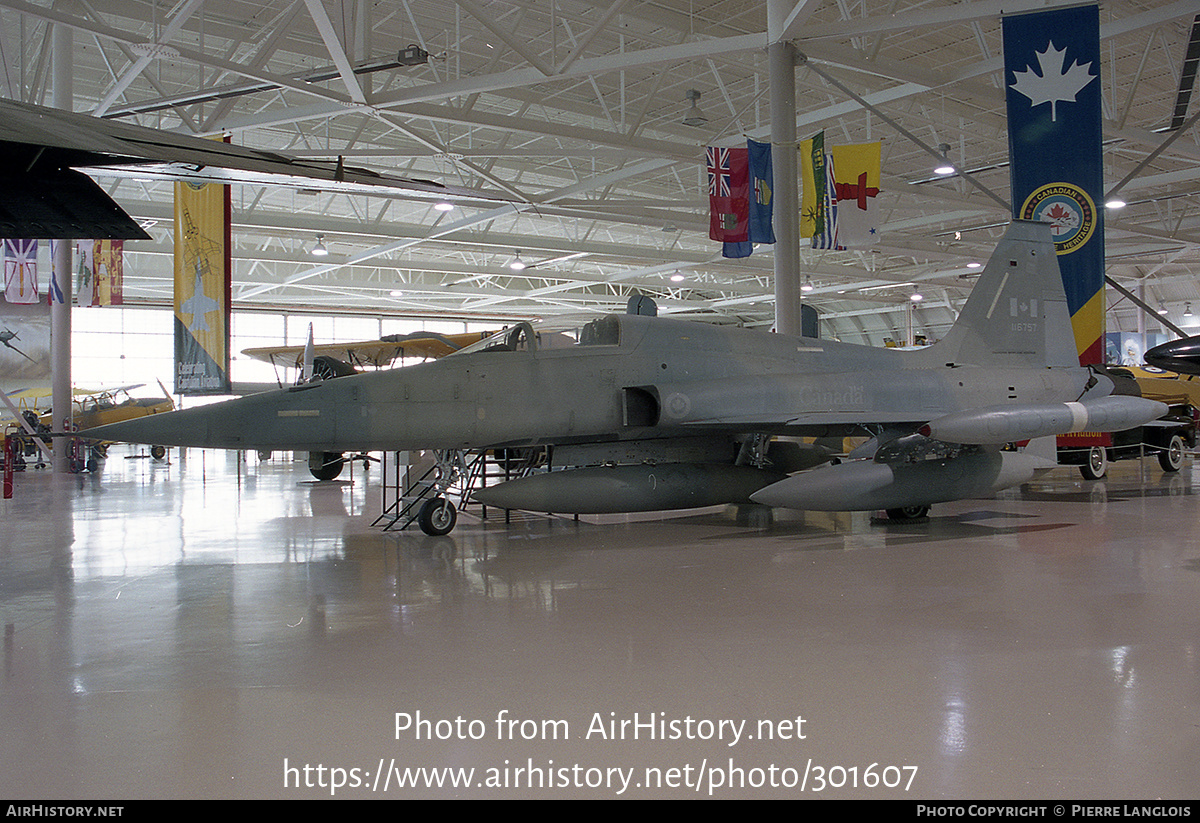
(44, 145)
(61, 204)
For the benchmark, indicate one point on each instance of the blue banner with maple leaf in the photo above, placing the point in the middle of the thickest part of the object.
(1052, 75)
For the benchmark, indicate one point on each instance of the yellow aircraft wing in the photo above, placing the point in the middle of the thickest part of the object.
(376, 353)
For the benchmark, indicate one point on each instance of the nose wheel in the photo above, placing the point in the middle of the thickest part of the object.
(437, 516)
(908, 513)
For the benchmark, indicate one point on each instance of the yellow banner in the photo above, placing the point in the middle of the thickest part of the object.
(201, 289)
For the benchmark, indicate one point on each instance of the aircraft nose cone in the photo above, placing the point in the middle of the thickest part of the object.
(1182, 356)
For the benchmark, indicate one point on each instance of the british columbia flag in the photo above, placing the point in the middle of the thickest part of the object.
(20, 271)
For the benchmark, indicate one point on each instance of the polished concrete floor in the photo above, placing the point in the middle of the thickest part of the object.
(219, 627)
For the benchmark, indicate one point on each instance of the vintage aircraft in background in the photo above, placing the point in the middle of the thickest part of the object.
(647, 413)
(325, 361)
(376, 354)
(90, 407)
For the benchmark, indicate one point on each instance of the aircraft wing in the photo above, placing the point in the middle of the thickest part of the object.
(371, 352)
(45, 195)
(376, 353)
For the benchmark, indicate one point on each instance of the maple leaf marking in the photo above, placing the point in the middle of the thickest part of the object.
(1055, 83)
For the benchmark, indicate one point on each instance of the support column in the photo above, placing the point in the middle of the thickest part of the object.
(63, 97)
(1141, 320)
(781, 58)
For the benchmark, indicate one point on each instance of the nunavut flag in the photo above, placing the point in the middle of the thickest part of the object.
(740, 197)
(839, 206)
(856, 173)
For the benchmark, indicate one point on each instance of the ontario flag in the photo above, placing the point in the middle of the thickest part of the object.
(740, 197)
(20, 271)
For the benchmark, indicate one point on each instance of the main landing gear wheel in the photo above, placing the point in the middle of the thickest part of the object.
(325, 465)
(158, 452)
(1097, 464)
(1171, 460)
(437, 516)
(908, 513)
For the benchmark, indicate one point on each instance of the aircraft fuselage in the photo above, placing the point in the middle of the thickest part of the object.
(664, 378)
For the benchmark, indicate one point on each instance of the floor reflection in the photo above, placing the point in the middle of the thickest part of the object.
(179, 629)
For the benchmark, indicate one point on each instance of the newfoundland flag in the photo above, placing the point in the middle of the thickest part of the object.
(739, 197)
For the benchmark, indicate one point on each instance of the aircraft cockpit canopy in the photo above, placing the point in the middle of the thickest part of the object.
(606, 331)
(524, 337)
(518, 337)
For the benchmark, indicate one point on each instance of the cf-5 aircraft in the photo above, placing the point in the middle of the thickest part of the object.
(649, 413)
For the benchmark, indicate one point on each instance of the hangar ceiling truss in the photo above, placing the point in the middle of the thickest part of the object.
(573, 112)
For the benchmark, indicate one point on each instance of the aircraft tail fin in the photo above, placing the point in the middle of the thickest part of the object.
(1016, 316)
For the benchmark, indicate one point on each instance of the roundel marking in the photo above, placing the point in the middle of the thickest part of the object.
(1069, 211)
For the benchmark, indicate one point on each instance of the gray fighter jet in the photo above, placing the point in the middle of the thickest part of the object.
(650, 413)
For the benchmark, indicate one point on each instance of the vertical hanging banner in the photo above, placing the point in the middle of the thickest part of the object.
(202, 292)
(857, 171)
(812, 181)
(110, 272)
(1052, 75)
(99, 273)
(20, 271)
(85, 273)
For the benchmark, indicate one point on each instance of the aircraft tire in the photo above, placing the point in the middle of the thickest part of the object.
(325, 465)
(908, 513)
(437, 516)
(158, 452)
(1171, 458)
(1097, 464)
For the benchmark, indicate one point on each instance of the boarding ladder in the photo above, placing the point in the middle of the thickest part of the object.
(455, 474)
